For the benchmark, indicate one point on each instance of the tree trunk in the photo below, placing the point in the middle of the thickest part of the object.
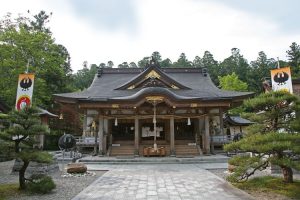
(287, 174)
(17, 146)
(22, 175)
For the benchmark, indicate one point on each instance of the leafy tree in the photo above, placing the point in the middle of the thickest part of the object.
(182, 61)
(294, 59)
(212, 65)
(259, 71)
(156, 55)
(272, 140)
(24, 41)
(132, 65)
(102, 65)
(142, 63)
(26, 125)
(40, 21)
(197, 62)
(232, 82)
(83, 78)
(166, 63)
(123, 65)
(110, 64)
(235, 63)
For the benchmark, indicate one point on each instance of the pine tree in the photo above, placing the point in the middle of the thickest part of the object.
(25, 125)
(272, 140)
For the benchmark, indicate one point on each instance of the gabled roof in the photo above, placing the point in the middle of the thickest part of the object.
(150, 74)
(129, 84)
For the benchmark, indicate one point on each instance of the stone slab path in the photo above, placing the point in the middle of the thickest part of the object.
(163, 182)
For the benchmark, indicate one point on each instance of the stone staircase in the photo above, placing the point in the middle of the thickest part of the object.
(186, 150)
(122, 148)
(167, 148)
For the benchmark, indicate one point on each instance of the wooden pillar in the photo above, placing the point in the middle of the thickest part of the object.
(172, 137)
(136, 136)
(221, 121)
(100, 134)
(201, 132)
(206, 135)
(84, 125)
(105, 135)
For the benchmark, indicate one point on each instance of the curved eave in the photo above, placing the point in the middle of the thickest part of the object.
(156, 91)
(64, 99)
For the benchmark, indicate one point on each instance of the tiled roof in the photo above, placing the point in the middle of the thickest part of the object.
(237, 120)
(106, 87)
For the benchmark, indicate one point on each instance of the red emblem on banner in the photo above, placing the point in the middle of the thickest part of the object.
(23, 102)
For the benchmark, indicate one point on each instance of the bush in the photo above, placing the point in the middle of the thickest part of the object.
(41, 184)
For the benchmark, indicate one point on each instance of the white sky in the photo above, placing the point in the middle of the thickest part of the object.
(128, 30)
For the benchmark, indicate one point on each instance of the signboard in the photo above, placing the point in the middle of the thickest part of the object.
(282, 79)
(24, 91)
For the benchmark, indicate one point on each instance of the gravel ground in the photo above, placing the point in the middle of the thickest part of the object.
(66, 187)
(261, 195)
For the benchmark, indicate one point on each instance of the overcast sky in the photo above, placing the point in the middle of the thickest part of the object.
(127, 30)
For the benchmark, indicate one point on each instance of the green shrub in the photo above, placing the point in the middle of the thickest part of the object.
(41, 184)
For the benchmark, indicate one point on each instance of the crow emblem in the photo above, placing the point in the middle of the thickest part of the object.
(281, 77)
(25, 83)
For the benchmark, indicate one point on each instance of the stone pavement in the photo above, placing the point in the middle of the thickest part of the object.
(160, 181)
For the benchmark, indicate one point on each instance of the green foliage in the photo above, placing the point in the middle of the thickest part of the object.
(293, 55)
(271, 184)
(84, 77)
(268, 139)
(36, 156)
(212, 65)
(275, 148)
(25, 40)
(272, 111)
(8, 190)
(232, 82)
(259, 71)
(182, 61)
(235, 63)
(41, 184)
(6, 151)
(26, 125)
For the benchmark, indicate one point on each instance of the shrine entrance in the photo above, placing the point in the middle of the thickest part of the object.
(184, 129)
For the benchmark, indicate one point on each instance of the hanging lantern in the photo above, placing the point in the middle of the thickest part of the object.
(116, 122)
(189, 121)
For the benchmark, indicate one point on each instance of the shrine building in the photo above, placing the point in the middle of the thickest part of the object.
(131, 111)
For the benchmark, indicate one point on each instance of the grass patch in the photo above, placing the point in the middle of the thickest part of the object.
(8, 190)
(271, 184)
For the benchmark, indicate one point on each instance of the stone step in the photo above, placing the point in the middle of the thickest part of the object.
(122, 150)
(154, 160)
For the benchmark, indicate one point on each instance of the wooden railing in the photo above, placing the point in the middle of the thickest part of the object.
(221, 139)
(86, 141)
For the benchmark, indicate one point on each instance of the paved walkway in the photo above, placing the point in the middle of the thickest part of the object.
(164, 181)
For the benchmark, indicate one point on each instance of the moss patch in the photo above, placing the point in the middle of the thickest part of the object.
(271, 184)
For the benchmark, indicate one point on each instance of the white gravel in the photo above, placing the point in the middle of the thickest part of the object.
(66, 187)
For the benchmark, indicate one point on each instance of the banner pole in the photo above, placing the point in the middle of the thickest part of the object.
(278, 64)
(27, 67)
